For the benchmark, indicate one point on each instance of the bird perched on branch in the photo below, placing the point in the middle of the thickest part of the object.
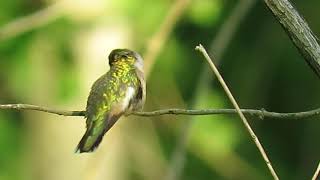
(120, 91)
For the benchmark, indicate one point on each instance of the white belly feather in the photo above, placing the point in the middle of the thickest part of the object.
(129, 95)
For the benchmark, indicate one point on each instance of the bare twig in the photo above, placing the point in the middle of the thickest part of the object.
(316, 173)
(218, 46)
(235, 104)
(298, 31)
(261, 114)
(42, 109)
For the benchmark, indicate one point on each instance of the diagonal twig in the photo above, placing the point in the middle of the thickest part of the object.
(316, 173)
(221, 41)
(235, 104)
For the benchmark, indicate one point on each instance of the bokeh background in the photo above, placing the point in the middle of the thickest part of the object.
(52, 51)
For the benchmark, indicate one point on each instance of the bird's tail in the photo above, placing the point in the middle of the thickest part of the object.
(89, 141)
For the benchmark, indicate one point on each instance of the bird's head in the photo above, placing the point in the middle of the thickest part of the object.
(125, 56)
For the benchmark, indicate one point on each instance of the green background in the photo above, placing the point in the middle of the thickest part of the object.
(55, 63)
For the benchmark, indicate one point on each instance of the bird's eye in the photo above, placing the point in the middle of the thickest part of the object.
(125, 56)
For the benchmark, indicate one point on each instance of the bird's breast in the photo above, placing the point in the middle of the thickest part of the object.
(129, 94)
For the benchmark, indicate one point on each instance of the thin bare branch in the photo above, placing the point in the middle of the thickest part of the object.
(316, 173)
(221, 41)
(235, 104)
(42, 109)
(261, 114)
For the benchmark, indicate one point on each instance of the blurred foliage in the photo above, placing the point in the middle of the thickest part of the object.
(55, 64)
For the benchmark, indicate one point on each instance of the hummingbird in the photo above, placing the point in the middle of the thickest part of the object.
(118, 92)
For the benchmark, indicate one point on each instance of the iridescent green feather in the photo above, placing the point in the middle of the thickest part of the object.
(109, 90)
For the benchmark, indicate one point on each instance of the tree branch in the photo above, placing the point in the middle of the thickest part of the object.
(298, 31)
(242, 117)
(261, 114)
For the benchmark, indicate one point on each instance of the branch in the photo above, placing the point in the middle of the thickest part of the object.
(218, 46)
(298, 31)
(42, 109)
(261, 114)
(235, 104)
(316, 173)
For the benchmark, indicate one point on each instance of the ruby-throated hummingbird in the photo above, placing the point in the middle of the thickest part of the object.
(120, 91)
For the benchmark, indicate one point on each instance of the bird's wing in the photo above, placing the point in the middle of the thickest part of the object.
(103, 119)
(94, 99)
